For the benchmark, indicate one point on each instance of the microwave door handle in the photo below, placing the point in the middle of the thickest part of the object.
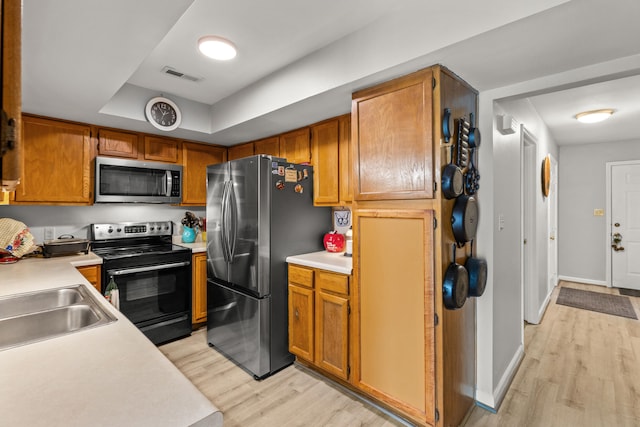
(147, 269)
(168, 182)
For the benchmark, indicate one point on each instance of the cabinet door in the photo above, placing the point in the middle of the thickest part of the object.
(294, 146)
(393, 141)
(118, 144)
(92, 273)
(394, 303)
(270, 146)
(301, 322)
(195, 159)
(332, 333)
(240, 151)
(346, 165)
(325, 152)
(57, 163)
(161, 149)
(199, 294)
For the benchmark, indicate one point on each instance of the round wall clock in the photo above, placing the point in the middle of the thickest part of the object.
(163, 113)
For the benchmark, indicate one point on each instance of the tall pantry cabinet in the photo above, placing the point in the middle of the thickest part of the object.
(409, 352)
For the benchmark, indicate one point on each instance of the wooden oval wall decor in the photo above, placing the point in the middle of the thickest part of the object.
(546, 175)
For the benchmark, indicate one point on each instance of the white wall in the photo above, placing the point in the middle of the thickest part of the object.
(75, 220)
(582, 237)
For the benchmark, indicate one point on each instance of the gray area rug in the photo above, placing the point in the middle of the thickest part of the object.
(629, 292)
(595, 301)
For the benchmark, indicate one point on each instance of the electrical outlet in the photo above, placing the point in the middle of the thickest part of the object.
(49, 233)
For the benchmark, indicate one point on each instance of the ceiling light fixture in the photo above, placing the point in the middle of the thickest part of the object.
(594, 116)
(217, 48)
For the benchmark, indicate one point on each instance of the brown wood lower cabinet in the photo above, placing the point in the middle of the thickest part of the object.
(199, 291)
(92, 273)
(319, 319)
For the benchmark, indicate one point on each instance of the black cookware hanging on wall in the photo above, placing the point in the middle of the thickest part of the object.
(447, 122)
(477, 269)
(472, 175)
(464, 218)
(474, 133)
(455, 286)
(452, 179)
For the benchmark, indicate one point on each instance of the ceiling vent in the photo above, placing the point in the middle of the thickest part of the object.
(175, 73)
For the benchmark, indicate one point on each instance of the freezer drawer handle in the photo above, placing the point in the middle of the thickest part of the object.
(146, 269)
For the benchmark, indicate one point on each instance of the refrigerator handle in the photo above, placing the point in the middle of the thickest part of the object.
(224, 226)
(233, 204)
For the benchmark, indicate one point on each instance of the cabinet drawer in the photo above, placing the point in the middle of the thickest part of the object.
(333, 282)
(301, 276)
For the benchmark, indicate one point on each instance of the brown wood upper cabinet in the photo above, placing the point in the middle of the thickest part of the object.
(295, 147)
(392, 138)
(161, 149)
(240, 151)
(118, 143)
(195, 159)
(330, 151)
(57, 167)
(269, 146)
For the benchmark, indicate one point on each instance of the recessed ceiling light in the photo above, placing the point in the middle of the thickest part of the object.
(217, 48)
(594, 116)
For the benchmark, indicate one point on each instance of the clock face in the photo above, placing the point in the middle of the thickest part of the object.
(163, 113)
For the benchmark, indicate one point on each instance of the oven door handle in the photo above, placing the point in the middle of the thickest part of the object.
(146, 269)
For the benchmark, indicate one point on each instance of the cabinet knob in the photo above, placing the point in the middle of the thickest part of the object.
(297, 314)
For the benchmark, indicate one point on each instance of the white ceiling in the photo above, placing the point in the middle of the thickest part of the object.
(299, 60)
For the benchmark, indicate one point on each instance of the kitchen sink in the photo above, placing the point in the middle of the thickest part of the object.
(37, 316)
(38, 301)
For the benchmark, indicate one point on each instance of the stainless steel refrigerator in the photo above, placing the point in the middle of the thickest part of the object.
(259, 211)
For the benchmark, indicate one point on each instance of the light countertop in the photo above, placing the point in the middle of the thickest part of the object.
(331, 261)
(197, 246)
(104, 376)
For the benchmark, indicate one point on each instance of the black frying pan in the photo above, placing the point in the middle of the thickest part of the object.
(474, 133)
(477, 269)
(464, 218)
(452, 179)
(455, 285)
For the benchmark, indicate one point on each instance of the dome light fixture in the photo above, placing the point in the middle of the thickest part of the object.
(217, 48)
(594, 116)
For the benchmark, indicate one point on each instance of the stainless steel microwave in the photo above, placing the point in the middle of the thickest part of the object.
(133, 181)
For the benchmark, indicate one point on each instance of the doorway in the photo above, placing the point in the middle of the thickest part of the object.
(623, 224)
(552, 228)
(528, 238)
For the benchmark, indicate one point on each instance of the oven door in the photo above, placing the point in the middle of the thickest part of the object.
(155, 296)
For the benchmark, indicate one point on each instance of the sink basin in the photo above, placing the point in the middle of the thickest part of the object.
(36, 316)
(37, 301)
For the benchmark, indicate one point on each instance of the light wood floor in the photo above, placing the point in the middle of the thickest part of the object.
(580, 369)
(291, 397)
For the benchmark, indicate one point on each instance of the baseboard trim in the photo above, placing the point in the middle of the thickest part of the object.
(582, 280)
(492, 401)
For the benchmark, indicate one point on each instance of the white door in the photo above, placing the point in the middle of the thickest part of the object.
(552, 227)
(625, 226)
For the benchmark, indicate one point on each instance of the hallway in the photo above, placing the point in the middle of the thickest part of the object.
(581, 368)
